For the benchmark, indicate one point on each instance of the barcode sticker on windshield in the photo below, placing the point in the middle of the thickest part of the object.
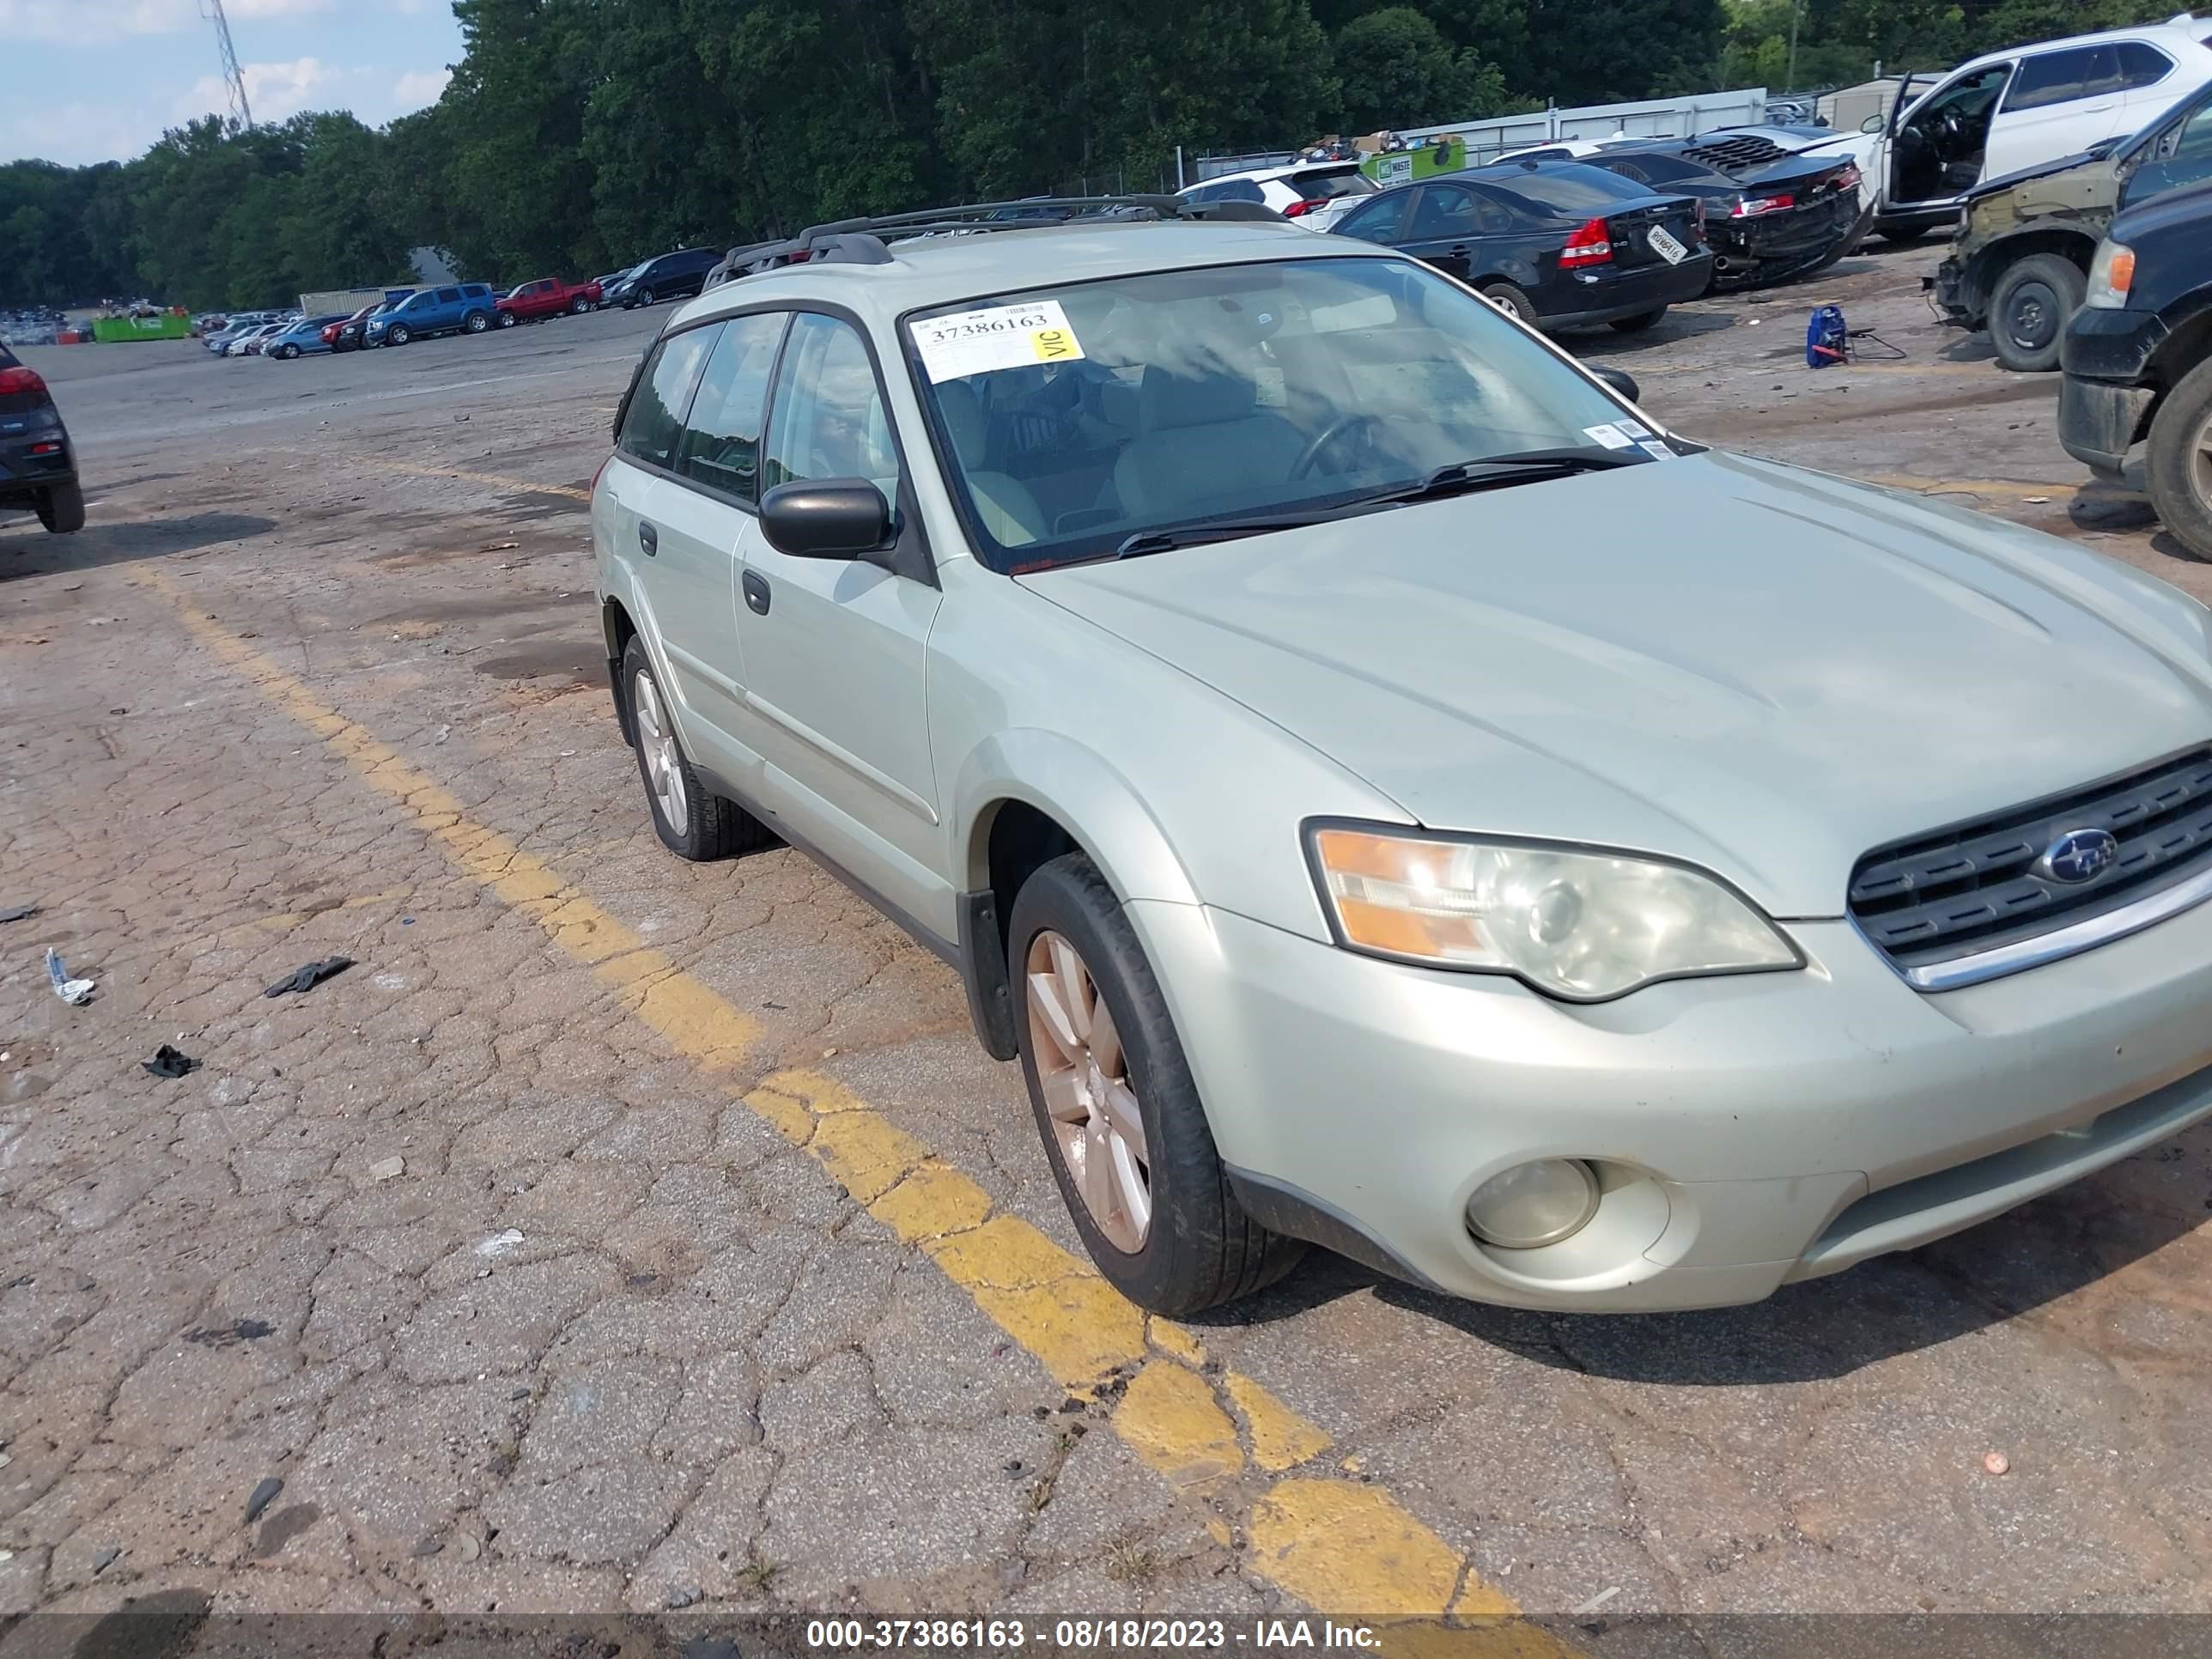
(1611, 436)
(1634, 428)
(996, 338)
(1655, 450)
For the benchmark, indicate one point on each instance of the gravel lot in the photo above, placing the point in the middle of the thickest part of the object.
(718, 1264)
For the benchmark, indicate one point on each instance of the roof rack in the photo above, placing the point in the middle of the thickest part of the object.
(866, 240)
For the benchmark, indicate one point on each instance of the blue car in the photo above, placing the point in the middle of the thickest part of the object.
(304, 336)
(464, 308)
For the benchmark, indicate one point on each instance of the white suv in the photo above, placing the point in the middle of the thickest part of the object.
(1315, 194)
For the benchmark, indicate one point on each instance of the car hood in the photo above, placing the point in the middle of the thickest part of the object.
(1762, 670)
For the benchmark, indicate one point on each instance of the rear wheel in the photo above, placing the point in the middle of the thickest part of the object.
(1114, 1099)
(2180, 461)
(506, 319)
(2029, 308)
(477, 323)
(1507, 297)
(61, 508)
(691, 821)
(1638, 323)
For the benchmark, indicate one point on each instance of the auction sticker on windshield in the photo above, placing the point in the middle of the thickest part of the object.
(993, 338)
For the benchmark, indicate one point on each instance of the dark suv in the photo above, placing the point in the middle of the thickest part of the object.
(669, 276)
(38, 468)
(2138, 358)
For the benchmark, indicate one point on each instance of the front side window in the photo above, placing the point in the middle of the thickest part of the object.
(1382, 220)
(828, 420)
(655, 424)
(1073, 418)
(1444, 211)
(722, 439)
(2059, 77)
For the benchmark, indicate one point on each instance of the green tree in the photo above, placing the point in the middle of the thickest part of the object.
(1398, 71)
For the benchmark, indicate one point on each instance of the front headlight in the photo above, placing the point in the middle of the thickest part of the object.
(1583, 926)
(2111, 275)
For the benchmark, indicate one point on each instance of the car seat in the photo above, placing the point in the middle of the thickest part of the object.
(1010, 513)
(1202, 439)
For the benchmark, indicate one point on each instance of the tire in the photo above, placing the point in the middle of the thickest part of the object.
(2179, 467)
(644, 296)
(61, 509)
(1510, 298)
(1637, 324)
(477, 323)
(2029, 309)
(288, 354)
(1197, 1247)
(506, 319)
(397, 334)
(579, 305)
(711, 828)
(1904, 236)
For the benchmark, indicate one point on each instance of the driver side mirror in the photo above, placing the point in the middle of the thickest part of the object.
(1872, 124)
(1620, 381)
(827, 519)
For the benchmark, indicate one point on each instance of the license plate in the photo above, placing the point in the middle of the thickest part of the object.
(1666, 246)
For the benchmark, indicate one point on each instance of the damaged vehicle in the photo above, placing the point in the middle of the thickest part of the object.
(1771, 215)
(2020, 264)
(2138, 359)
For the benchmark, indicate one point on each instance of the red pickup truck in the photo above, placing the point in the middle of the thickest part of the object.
(549, 296)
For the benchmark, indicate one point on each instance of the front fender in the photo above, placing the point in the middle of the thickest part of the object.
(1082, 791)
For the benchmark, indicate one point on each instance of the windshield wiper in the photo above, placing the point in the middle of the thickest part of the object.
(1217, 530)
(1492, 471)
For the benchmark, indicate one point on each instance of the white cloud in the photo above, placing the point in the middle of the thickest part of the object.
(86, 21)
(412, 90)
(73, 133)
(276, 91)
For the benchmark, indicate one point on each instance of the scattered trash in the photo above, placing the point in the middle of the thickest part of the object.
(2035, 500)
(1598, 1600)
(518, 1394)
(169, 1062)
(263, 1496)
(460, 419)
(118, 711)
(306, 979)
(467, 1545)
(499, 1243)
(1752, 322)
(387, 1168)
(406, 922)
(829, 1053)
(71, 991)
(445, 732)
(689, 1595)
(1995, 1462)
(498, 547)
(6, 1556)
(18, 912)
(427, 1545)
(104, 1560)
(223, 1336)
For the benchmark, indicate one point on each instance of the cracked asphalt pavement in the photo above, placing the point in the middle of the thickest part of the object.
(621, 1234)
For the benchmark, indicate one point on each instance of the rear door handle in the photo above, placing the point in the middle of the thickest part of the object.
(647, 537)
(757, 593)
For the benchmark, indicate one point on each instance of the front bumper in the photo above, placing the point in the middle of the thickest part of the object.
(2097, 420)
(1752, 1130)
(2103, 343)
(1948, 286)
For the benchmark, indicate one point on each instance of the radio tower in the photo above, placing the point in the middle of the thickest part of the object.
(233, 75)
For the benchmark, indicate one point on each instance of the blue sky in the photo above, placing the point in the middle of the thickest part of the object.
(101, 79)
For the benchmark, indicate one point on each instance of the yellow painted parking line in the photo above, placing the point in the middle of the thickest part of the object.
(2013, 490)
(1342, 1547)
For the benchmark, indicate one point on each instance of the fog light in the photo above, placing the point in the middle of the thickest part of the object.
(1534, 1204)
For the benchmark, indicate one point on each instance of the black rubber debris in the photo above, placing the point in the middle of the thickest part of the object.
(17, 912)
(262, 1497)
(306, 979)
(167, 1062)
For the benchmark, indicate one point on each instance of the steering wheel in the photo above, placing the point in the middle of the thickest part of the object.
(1951, 130)
(1332, 432)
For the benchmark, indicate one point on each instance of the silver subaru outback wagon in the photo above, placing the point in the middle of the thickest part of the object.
(1388, 791)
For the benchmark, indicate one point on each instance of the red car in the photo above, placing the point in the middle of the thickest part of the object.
(549, 296)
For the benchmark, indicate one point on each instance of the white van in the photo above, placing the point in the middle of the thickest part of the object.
(2005, 111)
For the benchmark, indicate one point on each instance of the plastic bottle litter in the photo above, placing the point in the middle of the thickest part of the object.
(71, 991)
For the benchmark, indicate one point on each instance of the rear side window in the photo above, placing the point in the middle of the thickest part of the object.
(1569, 188)
(653, 425)
(2059, 77)
(1383, 219)
(721, 438)
(828, 421)
(2141, 66)
(448, 295)
(1235, 190)
(1322, 184)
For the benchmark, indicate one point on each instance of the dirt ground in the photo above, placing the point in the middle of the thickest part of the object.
(617, 1233)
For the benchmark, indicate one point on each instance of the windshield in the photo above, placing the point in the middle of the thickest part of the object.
(1073, 418)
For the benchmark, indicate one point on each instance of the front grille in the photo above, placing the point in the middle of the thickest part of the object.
(1960, 891)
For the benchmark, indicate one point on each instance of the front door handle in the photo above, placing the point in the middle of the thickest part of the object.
(757, 595)
(648, 538)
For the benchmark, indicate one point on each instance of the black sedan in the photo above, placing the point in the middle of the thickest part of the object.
(38, 468)
(1770, 217)
(1561, 244)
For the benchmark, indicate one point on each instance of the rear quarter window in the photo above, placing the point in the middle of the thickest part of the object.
(1555, 191)
(653, 425)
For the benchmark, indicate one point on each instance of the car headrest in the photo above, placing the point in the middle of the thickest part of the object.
(962, 412)
(1168, 400)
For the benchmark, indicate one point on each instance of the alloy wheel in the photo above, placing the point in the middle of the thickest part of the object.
(2200, 463)
(663, 766)
(1083, 1072)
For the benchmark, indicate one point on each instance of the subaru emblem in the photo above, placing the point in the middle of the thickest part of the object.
(2079, 855)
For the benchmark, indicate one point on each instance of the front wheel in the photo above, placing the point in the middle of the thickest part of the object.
(61, 509)
(581, 305)
(477, 323)
(1638, 323)
(397, 334)
(1119, 1114)
(287, 353)
(644, 296)
(2029, 309)
(2180, 461)
(506, 319)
